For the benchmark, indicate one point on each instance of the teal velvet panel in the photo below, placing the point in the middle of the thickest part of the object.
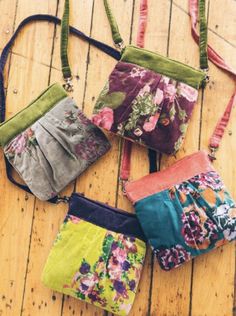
(188, 219)
(161, 219)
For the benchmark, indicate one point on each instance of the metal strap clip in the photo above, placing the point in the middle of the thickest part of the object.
(120, 46)
(212, 154)
(68, 85)
(207, 77)
(123, 183)
(63, 199)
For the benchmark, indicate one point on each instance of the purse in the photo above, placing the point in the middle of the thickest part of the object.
(50, 142)
(97, 255)
(185, 210)
(149, 98)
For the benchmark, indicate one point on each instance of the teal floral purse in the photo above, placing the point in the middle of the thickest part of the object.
(184, 210)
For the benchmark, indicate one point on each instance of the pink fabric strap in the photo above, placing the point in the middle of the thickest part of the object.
(218, 61)
(142, 23)
(126, 160)
(127, 146)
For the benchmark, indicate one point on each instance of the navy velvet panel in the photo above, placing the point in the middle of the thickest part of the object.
(105, 216)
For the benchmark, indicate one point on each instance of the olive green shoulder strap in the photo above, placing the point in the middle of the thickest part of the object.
(198, 5)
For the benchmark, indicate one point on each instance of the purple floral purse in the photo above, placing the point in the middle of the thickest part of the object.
(149, 98)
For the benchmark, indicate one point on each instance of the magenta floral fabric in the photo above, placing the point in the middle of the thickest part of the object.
(145, 107)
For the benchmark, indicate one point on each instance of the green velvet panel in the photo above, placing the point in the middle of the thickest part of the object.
(203, 35)
(31, 113)
(163, 65)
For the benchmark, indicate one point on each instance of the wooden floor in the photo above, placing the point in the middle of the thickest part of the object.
(203, 287)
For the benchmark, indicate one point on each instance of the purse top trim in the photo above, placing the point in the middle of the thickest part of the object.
(105, 216)
(179, 172)
(29, 115)
(164, 66)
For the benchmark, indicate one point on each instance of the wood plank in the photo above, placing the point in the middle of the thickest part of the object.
(7, 21)
(38, 33)
(45, 301)
(30, 60)
(139, 167)
(99, 182)
(214, 272)
(156, 40)
(171, 291)
(81, 15)
(223, 23)
(17, 207)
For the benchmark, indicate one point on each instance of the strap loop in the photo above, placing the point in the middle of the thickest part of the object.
(212, 154)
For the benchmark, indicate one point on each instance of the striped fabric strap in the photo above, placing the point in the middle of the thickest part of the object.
(219, 62)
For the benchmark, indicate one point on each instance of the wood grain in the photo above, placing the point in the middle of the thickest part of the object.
(216, 269)
(171, 291)
(203, 287)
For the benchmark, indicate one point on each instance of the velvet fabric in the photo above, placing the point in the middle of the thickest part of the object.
(184, 210)
(105, 216)
(163, 65)
(145, 107)
(97, 256)
(55, 149)
(30, 114)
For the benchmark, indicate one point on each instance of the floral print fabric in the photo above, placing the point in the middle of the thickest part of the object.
(193, 217)
(96, 265)
(56, 149)
(145, 107)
